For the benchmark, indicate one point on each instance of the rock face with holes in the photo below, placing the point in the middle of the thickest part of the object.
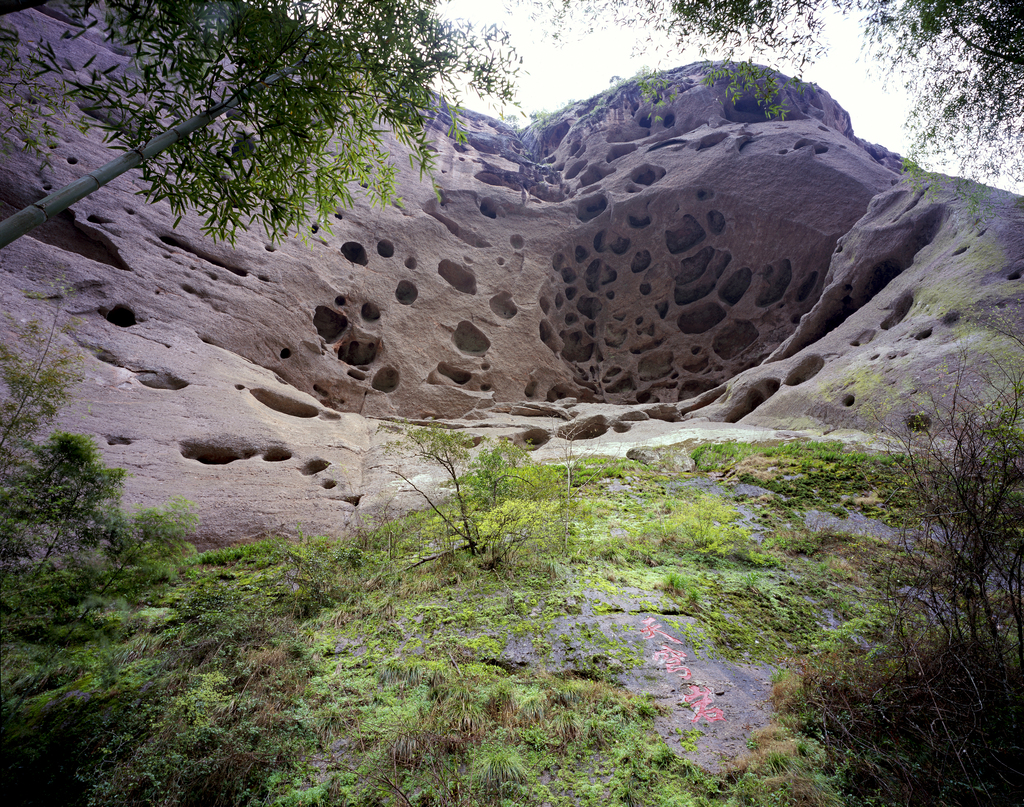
(685, 259)
(904, 296)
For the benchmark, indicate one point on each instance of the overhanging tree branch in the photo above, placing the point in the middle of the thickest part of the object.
(57, 202)
(1005, 57)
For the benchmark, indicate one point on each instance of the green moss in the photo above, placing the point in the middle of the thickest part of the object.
(407, 666)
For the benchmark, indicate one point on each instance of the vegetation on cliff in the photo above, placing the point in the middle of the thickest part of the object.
(398, 667)
(961, 62)
(287, 101)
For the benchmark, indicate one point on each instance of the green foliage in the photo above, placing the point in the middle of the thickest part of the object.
(315, 89)
(32, 118)
(323, 671)
(684, 586)
(311, 567)
(761, 83)
(959, 60)
(964, 470)
(962, 64)
(494, 473)
(499, 772)
(934, 711)
(499, 501)
(65, 545)
(700, 521)
(516, 524)
(38, 378)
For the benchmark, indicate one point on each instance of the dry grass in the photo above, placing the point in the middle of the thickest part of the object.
(761, 468)
(787, 691)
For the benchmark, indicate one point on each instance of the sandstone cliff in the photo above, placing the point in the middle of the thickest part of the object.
(682, 260)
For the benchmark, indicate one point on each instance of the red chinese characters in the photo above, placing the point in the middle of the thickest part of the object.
(699, 698)
(651, 628)
(673, 660)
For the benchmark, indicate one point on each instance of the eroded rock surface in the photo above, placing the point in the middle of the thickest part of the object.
(597, 279)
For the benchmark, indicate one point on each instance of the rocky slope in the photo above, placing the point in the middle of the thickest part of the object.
(621, 262)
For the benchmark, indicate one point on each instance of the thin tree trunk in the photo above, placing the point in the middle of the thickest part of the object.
(57, 202)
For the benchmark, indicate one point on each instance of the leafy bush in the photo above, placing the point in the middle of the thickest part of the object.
(934, 714)
(37, 378)
(66, 547)
(500, 502)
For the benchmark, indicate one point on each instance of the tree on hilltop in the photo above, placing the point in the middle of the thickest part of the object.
(962, 61)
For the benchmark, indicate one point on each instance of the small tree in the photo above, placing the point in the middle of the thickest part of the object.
(37, 379)
(964, 466)
(496, 504)
(935, 713)
(66, 546)
(450, 451)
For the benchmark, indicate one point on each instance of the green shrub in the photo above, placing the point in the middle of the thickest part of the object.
(66, 547)
(499, 772)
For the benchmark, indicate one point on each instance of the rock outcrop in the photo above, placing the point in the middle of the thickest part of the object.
(685, 259)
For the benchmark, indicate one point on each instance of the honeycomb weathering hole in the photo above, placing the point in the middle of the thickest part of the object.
(591, 208)
(716, 222)
(655, 365)
(701, 318)
(577, 347)
(641, 261)
(775, 279)
(503, 305)
(329, 323)
(161, 380)
(620, 151)
(284, 404)
(589, 307)
(573, 170)
(370, 312)
(808, 367)
(406, 292)
(613, 241)
(532, 438)
(734, 338)
(454, 373)
(315, 466)
(358, 352)
(121, 316)
(899, 310)
(457, 276)
(277, 454)
(470, 339)
(753, 398)
(735, 286)
(386, 379)
(585, 430)
(686, 236)
(209, 453)
(385, 248)
(355, 252)
(599, 274)
(647, 174)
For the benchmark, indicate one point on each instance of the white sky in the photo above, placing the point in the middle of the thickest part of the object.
(577, 68)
